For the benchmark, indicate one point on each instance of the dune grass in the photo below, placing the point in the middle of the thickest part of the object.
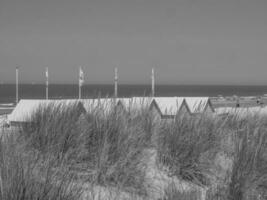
(26, 176)
(182, 142)
(114, 146)
(54, 130)
(249, 175)
(104, 147)
(247, 148)
(172, 193)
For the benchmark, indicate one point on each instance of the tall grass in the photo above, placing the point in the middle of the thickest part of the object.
(244, 141)
(182, 142)
(249, 175)
(115, 144)
(172, 193)
(28, 177)
(106, 145)
(139, 112)
(54, 130)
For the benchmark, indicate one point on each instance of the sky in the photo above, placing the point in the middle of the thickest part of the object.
(186, 41)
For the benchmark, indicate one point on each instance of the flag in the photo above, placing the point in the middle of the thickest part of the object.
(46, 75)
(81, 77)
(46, 72)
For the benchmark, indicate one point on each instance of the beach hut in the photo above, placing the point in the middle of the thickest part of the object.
(25, 110)
(199, 105)
(140, 105)
(169, 107)
(159, 107)
(106, 104)
(135, 103)
(101, 106)
(124, 103)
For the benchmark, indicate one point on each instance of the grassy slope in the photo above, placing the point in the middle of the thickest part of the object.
(107, 149)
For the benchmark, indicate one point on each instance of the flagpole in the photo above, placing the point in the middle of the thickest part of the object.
(80, 91)
(116, 82)
(153, 83)
(81, 81)
(17, 85)
(47, 83)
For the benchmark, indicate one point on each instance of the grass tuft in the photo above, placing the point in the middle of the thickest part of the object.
(25, 176)
(181, 144)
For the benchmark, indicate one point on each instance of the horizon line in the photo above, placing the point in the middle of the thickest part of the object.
(134, 84)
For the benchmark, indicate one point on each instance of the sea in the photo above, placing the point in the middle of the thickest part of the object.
(36, 91)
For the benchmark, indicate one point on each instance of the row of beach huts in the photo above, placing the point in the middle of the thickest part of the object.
(161, 107)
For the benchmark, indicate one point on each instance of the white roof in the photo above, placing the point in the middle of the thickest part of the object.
(197, 104)
(105, 104)
(169, 105)
(25, 109)
(125, 102)
(135, 102)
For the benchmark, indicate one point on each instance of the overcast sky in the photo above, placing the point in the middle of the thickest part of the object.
(186, 41)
